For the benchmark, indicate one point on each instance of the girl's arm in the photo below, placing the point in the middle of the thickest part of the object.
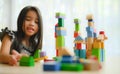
(5, 56)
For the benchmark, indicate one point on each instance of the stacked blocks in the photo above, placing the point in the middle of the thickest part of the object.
(60, 32)
(78, 48)
(26, 61)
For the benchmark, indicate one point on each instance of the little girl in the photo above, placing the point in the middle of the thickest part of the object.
(26, 40)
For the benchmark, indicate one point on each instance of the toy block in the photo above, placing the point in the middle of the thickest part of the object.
(78, 46)
(61, 32)
(36, 54)
(64, 51)
(56, 27)
(102, 55)
(89, 31)
(91, 65)
(60, 41)
(88, 53)
(95, 35)
(76, 52)
(42, 54)
(76, 21)
(76, 33)
(91, 24)
(51, 66)
(60, 15)
(60, 22)
(61, 28)
(82, 53)
(97, 52)
(77, 27)
(58, 59)
(102, 45)
(78, 38)
(72, 67)
(97, 44)
(57, 54)
(89, 16)
(49, 60)
(67, 59)
(26, 61)
(41, 58)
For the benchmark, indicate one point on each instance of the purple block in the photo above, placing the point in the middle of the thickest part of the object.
(42, 54)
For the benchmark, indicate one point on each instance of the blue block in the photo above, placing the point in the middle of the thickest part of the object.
(67, 59)
(102, 55)
(76, 52)
(61, 32)
(90, 32)
(82, 53)
(95, 35)
(51, 66)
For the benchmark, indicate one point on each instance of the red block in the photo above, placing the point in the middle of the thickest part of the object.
(78, 46)
(76, 33)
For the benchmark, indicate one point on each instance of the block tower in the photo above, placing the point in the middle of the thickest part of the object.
(98, 46)
(60, 33)
(91, 35)
(79, 51)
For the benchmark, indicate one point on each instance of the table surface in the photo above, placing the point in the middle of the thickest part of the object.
(110, 66)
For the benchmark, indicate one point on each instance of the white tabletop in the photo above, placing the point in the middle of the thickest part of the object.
(110, 66)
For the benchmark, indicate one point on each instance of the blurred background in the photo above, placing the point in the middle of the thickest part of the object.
(106, 17)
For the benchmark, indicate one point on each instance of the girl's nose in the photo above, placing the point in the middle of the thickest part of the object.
(32, 23)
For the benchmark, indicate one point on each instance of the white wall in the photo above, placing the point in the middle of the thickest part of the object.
(106, 17)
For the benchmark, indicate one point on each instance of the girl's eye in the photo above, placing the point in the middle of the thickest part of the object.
(36, 22)
(27, 19)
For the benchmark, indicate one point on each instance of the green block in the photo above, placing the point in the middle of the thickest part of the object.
(57, 58)
(76, 21)
(77, 27)
(60, 22)
(97, 52)
(72, 67)
(26, 61)
(60, 15)
(60, 41)
(36, 54)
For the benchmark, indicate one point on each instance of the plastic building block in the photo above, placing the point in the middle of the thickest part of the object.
(77, 27)
(51, 66)
(97, 52)
(36, 54)
(78, 46)
(60, 15)
(26, 61)
(76, 21)
(60, 22)
(42, 54)
(82, 53)
(76, 33)
(41, 58)
(67, 59)
(72, 67)
(91, 65)
(61, 32)
(64, 51)
(60, 41)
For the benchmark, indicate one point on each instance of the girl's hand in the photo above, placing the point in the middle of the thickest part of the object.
(12, 60)
(18, 55)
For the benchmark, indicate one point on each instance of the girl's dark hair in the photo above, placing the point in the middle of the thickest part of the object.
(36, 40)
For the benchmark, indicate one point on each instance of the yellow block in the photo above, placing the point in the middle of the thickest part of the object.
(41, 58)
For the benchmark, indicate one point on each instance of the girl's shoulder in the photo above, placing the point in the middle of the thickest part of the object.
(10, 33)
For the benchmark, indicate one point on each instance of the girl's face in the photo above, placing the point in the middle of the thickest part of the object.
(30, 25)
